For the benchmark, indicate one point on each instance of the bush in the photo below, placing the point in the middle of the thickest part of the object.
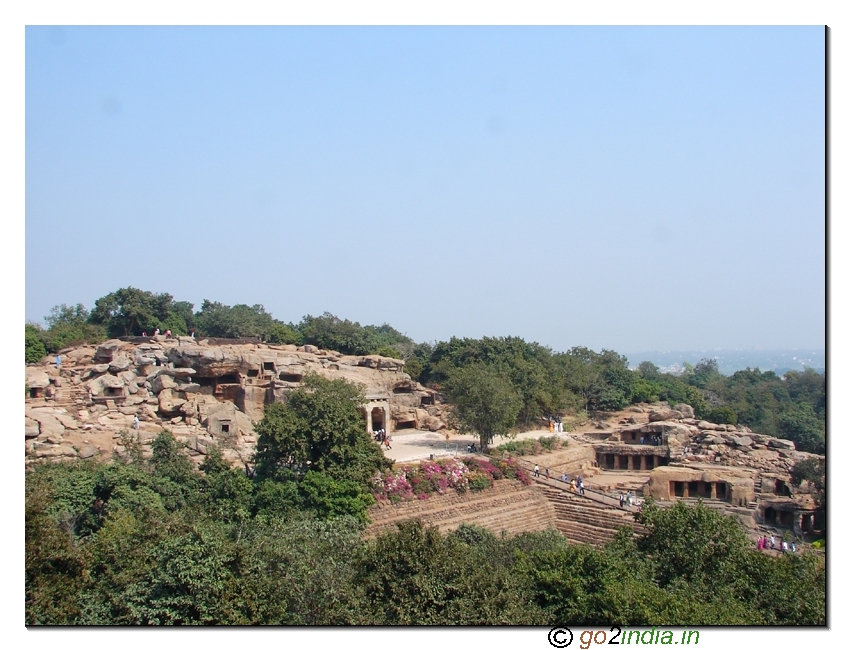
(722, 415)
(34, 349)
(529, 447)
(479, 481)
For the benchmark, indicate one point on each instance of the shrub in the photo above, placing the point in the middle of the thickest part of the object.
(550, 443)
(529, 447)
(479, 480)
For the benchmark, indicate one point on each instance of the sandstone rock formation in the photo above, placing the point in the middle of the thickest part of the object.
(205, 394)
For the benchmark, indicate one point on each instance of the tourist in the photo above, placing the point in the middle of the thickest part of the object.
(136, 422)
(784, 546)
(580, 482)
(144, 334)
(622, 499)
(629, 498)
(547, 472)
(565, 478)
(168, 334)
(793, 547)
(156, 332)
(58, 362)
(551, 425)
(536, 470)
(759, 544)
(387, 441)
(469, 449)
(772, 542)
(192, 332)
(572, 485)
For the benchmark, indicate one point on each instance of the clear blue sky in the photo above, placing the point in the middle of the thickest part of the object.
(632, 188)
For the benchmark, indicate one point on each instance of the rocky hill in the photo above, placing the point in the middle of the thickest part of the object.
(204, 391)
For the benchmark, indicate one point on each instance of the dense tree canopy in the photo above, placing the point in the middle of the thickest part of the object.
(157, 542)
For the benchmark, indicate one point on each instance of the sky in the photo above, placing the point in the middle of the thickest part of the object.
(630, 188)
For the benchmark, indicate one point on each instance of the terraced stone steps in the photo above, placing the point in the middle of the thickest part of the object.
(588, 522)
(508, 506)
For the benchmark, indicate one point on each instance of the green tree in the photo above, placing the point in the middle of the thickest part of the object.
(219, 320)
(485, 403)
(692, 543)
(68, 326)
(722, 415)
(283, 334)
(704, 373)
(130, 311)
(649, 370)
(319, 428)
(34, 350)
(416, 576)
(800, 424)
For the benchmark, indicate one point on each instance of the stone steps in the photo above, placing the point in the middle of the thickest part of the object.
(508, 506)
(588, 522)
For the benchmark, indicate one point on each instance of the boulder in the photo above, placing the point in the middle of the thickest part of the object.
(169, 402)
(119, 363)
(48, 425)
(87, 451)
(779, 443)
(708, 426)
(686, 410)
(36, 377)
(66, 420)
(55, 451)
(742, 441)
(161, 382)
(106, 351)
(30, 428)
(658, 415)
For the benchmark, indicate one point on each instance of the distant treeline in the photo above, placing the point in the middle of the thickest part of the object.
(543, 382)
(154, 541)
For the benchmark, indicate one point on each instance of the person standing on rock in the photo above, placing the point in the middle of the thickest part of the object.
(58, 362)
(547, 472)
(136, 422)
(536, 470)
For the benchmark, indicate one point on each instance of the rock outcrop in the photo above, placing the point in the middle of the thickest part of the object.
(205, 394)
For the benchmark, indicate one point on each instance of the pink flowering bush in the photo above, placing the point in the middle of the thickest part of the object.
(419, 481)
(395, 487)
(486, 467)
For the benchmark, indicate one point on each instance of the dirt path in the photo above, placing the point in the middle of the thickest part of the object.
(412, 445)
